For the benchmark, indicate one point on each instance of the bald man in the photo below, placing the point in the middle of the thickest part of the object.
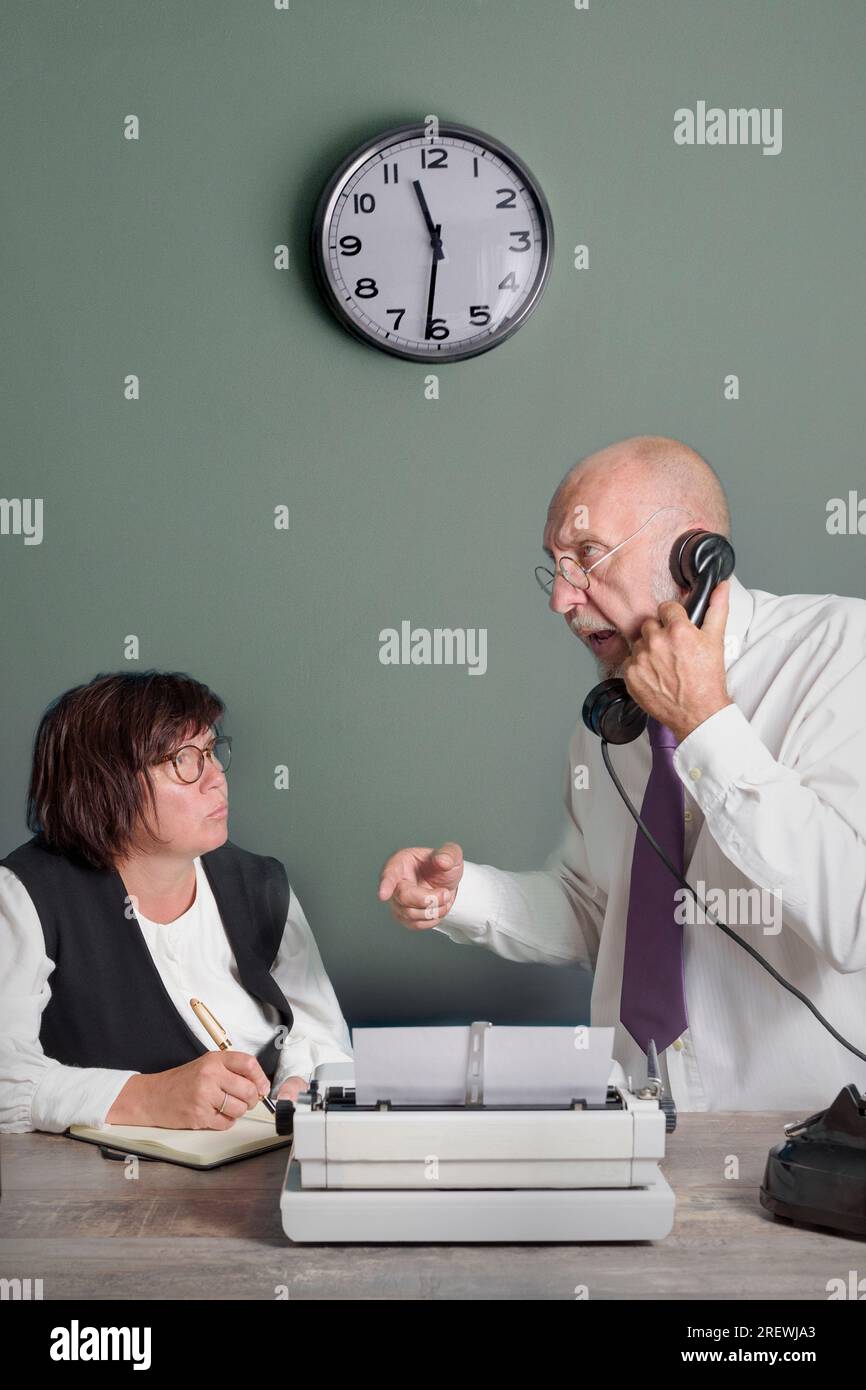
(762, 706)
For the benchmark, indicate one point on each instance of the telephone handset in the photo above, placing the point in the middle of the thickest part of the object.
(699, 560)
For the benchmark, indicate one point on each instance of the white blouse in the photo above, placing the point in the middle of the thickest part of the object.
(195, 960)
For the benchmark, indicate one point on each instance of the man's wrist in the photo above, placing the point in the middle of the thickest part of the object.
(682, 731)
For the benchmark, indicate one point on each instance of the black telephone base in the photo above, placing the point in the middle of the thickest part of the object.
(818, 1176)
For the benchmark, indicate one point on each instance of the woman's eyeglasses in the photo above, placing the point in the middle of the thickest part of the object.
(188, 761)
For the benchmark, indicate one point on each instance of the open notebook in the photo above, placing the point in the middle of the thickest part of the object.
(194, 1148)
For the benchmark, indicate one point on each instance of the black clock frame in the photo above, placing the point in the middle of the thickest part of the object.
(361, 154)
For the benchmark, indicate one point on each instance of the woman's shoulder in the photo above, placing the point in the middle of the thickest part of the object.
(17, 908)
(258, 875)
(30, 851)
(232, 854)
(19, 864)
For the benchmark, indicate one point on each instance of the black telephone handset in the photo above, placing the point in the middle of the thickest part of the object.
(699, 560)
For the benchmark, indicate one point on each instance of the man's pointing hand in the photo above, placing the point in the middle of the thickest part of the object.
(420, 884)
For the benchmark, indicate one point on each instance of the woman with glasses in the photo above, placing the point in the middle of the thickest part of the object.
(128, 902)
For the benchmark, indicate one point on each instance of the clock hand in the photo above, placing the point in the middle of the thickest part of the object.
(432, 290)
(435, 240)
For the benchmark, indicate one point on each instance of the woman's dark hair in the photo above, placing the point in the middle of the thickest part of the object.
(89, 785)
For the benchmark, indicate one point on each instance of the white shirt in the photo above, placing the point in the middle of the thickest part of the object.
(195, 960)
(775, 799)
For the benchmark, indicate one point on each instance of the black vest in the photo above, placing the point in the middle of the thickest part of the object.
(108, 1005)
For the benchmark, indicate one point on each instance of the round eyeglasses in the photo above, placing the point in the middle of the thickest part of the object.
(577, 574)
(188, 761)
(570, 569)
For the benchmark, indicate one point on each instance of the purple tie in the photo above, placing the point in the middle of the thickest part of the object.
(653, 1001)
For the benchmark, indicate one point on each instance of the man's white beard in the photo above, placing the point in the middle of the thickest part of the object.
(610, 672)
(663, 589)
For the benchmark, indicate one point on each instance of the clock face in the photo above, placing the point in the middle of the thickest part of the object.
(434, 249)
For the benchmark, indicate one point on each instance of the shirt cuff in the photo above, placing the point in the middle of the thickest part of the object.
(76, 1096)
(475, 903)
(722, 751)
(301, 1057)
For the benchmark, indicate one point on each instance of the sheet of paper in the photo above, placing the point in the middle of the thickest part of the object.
(542, 1066)
(522, 1065)
(422, 1066)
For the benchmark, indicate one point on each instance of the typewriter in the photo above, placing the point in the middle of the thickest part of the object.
(488, 1134)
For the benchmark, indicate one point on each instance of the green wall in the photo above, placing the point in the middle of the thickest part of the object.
(156, 257)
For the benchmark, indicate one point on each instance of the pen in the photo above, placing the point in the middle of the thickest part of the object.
(219, 1035)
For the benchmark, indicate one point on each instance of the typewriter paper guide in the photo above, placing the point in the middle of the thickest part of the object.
(521, 1065)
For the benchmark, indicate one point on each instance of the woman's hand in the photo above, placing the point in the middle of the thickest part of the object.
(190, 1096)
(292, 1087)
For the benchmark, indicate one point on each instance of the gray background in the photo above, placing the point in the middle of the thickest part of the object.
(156, 258)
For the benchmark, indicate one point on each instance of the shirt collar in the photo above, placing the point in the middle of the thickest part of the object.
(741, 606)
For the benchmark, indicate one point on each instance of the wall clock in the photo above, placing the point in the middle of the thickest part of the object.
(432, 248)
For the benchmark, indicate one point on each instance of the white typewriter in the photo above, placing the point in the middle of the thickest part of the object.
(477, 1133)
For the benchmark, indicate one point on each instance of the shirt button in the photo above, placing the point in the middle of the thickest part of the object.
(695, 773)
(688, 815)
(678, 1045)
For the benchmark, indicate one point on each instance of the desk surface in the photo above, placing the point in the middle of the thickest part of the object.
(73, 1219)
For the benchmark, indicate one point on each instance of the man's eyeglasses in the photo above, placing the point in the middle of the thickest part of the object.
(575, 573)
(188, 761)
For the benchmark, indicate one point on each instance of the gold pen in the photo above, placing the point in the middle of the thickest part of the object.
(219, 1035)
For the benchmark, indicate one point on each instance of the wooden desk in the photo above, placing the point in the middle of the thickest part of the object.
(73, 1219)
